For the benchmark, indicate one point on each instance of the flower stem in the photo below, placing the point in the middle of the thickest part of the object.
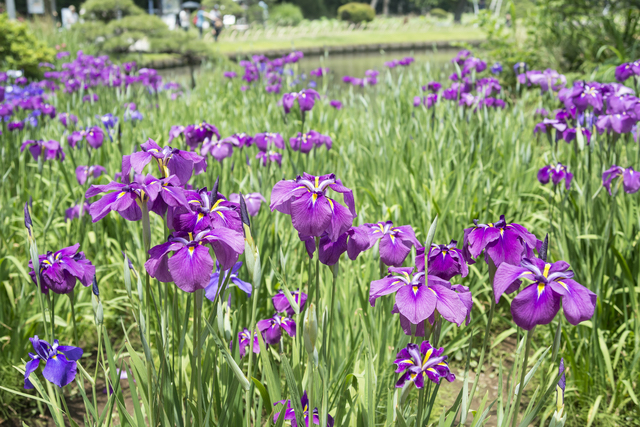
(485, 341)
(197, 309)
(516, 408)
(335, 270)
(52, 314)
(73, 316)
(254, 295)
(146, 239)
(318, 274)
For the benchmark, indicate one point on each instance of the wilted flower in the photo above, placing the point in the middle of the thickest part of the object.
(60, 362)
(59, 270)
(539, 302)
(501, 241)
(281, 303)
(557, 173)
(312, 212)
(83, 173)
(271, 329)
(290, 414)
(416, 362)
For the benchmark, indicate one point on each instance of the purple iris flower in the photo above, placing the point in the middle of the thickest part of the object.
(630, 179)
(290, 414)
(170, 161)
(83, 173)
(15, 126)
(108, 120)
(539, 302)
(417, 296)
(306, 99)
(219, 149)
(428, 101)
(547, 80)
(206, 209)
(319, 72)
(584, 95)
(496, 68)
(266, 157)
(312, 212)
(271, 329)
(281, 303)
(76, 211)
(336, 104)
(191, 265)
(267, 140)
(304, 142)
(133, 116)
(60, 362)
(90, 98)
(416, 362)
(406, 61)
(433, 87)
(94, 136)
(556, 173)
(66, 119)
(624, 71)
(461, 56)
(354, 241)
(126, 199)
(471, 64)
(244, 338)
(171, 195)
(445, 261)
(212, 288)
(175, 132)
(59, 270)
(619, 123)
(395, 242)
(195, 134)
(501, 241)
(50, 150)
(252, 200)
(230, 74)
(239, 140)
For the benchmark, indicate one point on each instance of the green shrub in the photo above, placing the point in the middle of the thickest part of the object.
(286, 14)
(148, 24)
(255, 13)
(108, 10)
(356, 13)
(20, 49)
(439, 13)
(227, 7)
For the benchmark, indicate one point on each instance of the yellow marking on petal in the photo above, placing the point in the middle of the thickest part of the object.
(393, 238)
(406, 274)
(427, 355)
(564, 285)
(413, 376)
(330, 202)
(502, 232)
(540, 289)
(407, 361)
(220, 213)
(434, 292)
(191, 249)
(193, 201)
(432, 370)
(200, 216)
(317, 181)
(314, 196)
(122, 193)
(395, 283)
(415, 290)
(54, 357)
(166, 171)
(215, 205)
(381, 227)
(190, 236)
(490, 224)
(546, 270)
(442, 364)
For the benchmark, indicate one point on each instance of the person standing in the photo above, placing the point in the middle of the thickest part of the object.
(216, 18)
(200, 20)
(183, 16)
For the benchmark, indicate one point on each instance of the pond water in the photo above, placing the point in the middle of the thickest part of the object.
(349, 64)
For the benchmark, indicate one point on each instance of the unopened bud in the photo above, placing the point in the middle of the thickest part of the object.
(310, 329)
(99, 314)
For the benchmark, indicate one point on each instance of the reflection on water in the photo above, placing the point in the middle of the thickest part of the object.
(345, 64)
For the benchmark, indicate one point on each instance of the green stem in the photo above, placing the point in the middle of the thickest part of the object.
(318, 274)
(73, 316)
(516, 408)
(52, 315)
(335, 271)
(485, 341)
(146, 239)
(197, 309)
(252, 329)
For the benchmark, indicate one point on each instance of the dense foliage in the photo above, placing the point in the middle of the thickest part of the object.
(356, 12)
(108, 10)
(286, 14)
(20, 49)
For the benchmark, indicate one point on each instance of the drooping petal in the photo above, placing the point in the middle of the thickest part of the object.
(537, 304)
(385, 286)
(578, 302)
(393, 250)
(507, 279)
(30, 367)
(191, 268)
(416, 303)
(448, 304)
(59, 370)
(341, 220)
(311, 214)
(283, 193)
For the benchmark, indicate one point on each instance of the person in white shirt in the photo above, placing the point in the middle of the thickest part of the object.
(183, 16)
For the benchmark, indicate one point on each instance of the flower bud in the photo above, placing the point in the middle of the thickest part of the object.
(310, 329)
(99, 314)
